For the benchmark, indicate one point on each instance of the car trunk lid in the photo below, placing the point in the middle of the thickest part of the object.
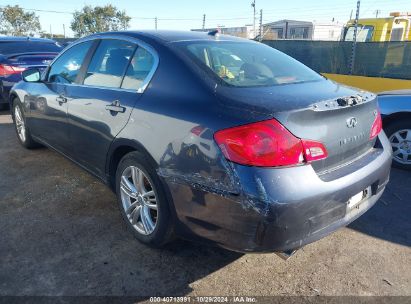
(25, 60)
(335, 115)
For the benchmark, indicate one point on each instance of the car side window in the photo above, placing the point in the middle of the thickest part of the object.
(109, 63)
(140, 66)
(66, 67)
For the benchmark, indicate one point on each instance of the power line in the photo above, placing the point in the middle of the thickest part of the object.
(313, 11)
(42, 11)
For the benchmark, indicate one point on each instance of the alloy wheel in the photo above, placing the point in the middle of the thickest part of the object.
(20, 124)
(401, 146)
(139, 200)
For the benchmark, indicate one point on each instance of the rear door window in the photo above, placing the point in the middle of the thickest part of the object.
(109, 63)
(66, 67)
(139, 69)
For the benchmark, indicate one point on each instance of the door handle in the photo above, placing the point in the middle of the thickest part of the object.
(115, 107)
(61, 99)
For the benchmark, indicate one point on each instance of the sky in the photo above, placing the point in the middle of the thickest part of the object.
(185, 14)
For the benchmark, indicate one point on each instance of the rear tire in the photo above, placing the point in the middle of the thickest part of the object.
(22, 130)
(399, 134)
(142, 200)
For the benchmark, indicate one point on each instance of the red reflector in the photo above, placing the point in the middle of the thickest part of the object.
(6, 70)
(376, 126)
(314, 150)
(266, 144)
(197, 130)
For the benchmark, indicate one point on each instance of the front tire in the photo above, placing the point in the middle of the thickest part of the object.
(399, 134)
(22, 130)
(142, 200)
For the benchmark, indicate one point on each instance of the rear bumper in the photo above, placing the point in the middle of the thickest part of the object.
(282, 209)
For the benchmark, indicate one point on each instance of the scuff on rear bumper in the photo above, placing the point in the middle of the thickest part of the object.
(274, 209)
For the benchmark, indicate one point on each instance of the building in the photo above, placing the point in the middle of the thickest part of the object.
(302, 30)
(245, 31)
(286, 29)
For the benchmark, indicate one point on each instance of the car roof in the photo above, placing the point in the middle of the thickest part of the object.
(168, 36)
(22, 39)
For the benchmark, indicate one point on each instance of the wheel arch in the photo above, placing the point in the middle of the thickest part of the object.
(13, 95)
(119, 148)
(388, 119)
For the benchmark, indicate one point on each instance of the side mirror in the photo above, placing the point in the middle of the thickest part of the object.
(31, 75)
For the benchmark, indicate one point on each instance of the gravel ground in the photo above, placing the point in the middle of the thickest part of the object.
(61, 234)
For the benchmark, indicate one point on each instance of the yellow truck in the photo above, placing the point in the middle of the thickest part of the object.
(397, 27)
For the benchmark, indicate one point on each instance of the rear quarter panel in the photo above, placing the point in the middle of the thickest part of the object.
(391, 104)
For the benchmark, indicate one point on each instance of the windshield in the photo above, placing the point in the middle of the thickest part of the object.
(248, 64)
(364, 33)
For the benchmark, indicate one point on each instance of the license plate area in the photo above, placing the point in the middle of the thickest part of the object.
(356, 200)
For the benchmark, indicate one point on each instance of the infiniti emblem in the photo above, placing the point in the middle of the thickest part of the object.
(352, 122)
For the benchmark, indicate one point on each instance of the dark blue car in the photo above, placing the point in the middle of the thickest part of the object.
(208, 136)
(19, 53)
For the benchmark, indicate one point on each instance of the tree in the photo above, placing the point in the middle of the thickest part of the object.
(99, 19)
(14, 21)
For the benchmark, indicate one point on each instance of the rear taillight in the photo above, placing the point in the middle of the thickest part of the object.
(6, 69)
(267, 144)
(376, 126)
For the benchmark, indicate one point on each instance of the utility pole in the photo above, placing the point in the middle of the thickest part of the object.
(261, 26)
(377, 12)
(354, 42)
(253, 6)
(155, 23)
(51, 33)
(64, 30)
(204, 17)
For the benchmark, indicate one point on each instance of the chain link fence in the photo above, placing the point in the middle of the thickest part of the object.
(373, 59)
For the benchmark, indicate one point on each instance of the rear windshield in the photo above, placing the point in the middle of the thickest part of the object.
(18, 47)
(248, 64)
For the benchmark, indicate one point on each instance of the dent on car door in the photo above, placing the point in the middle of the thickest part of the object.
(49, 108)
(100, 108)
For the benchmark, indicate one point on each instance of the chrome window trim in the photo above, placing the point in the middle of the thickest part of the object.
(136, 41)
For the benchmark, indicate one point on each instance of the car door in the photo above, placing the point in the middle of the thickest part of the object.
(48, 108)
(100, 107)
